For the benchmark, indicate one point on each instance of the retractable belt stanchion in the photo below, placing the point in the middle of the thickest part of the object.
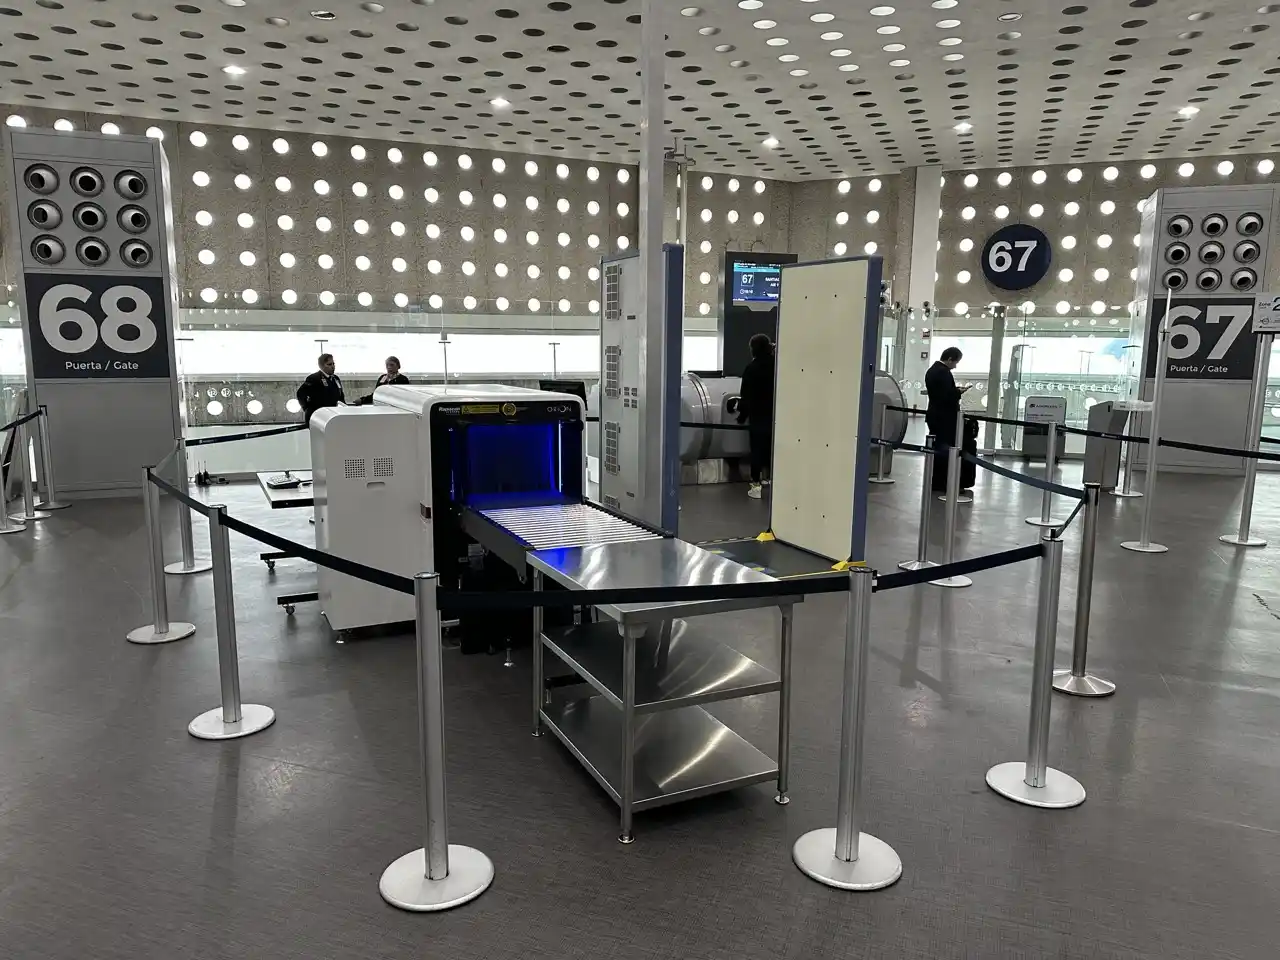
(1078, 681)
(1034, 782)
(926, 492)
(953, 497)
(1127, 490)
(233, 719)
(883, 454)
(187, 565)
(7, 525)
(438, 875)
(1257, 401)
(843, 856)
(1050, 466)
(1143, 544)
(22, 454)
(50, 500)
(160, 630)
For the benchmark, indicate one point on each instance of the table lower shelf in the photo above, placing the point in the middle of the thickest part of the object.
(679, 754)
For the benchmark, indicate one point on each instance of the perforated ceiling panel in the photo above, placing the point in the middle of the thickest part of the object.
(792, 89)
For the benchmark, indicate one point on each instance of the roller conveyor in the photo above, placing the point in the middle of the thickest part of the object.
(512, 532)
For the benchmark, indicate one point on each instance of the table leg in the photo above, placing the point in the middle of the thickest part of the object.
(628, 789)
(539, 685)
(784, 706)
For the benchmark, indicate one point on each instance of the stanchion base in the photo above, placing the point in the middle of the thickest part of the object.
(1235, 541)
(881, 480)
(960, 499)
(1064, 681)
(916, 564)
(211, 726)
(147, 634)
(1137, 546)
(404, 884)
(52, 505)
(877, 865)
(1059, 790)
(953, 582)
(28, 517)
(1051, 522)
(14, 528)
(1126, 494)
(176, 569)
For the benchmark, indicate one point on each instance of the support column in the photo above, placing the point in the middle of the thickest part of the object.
(652, 99)
(919, 202)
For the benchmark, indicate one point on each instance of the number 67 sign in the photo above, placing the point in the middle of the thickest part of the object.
(97, 327)
(1209, 339)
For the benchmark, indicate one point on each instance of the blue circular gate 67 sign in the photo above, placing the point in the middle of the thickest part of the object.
(1016, 257)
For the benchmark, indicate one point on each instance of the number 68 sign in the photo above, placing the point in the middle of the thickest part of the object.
(94, 327)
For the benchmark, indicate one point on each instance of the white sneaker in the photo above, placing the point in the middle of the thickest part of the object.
(753, 491)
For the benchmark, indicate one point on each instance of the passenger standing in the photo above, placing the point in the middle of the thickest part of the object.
(393, 375)
(755, 409)
(940, 415)
(322, 389)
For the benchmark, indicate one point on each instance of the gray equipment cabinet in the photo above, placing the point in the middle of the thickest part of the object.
(1102, 457)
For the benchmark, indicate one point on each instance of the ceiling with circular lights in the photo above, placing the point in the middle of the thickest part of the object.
(793, 89)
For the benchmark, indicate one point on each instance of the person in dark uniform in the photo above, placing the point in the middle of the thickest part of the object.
(393, 375)
(755, 409)
(940, 416)
(322, 389)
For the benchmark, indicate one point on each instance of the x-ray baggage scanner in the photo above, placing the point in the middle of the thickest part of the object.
(824, 393)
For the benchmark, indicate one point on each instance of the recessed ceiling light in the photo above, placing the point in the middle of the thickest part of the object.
(841, 52)
(499, 103)
(962, 127)
(691, 12)
(888, 29)
(770, 142)
(235, 3)
(799, 73)
(232, 70)
(1188, 111)
(883, 11)
(833, 35)
(750, 4)
(947, 24)
(899, 63)
(953, 57)
(777, 41)
(949, 41)
(324, 15)
(823, 17)
(848, 67)
(1009, 17)
(765, 24)
(943, 4)
(789, 58)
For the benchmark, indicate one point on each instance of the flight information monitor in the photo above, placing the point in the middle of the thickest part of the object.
(756, 283)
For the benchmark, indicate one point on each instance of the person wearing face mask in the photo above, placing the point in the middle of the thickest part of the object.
(393, 375)
(322, 389)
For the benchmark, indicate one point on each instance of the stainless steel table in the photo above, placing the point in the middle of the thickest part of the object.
(642, 734)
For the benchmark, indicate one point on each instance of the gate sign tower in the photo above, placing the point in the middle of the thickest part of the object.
(91, 234)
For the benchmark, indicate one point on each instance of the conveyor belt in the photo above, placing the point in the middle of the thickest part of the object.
(566, 525)
(511, 532)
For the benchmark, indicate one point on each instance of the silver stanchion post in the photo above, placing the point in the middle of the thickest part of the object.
(960, 496)
(439, 874)
(1050, 469)
(953, 497)
(843, 856)
(22, 454)
(188, 564)
(926, 491)
(1127, 490)
(882, 455)
(233, 719)
(50, 500)
(1034, 782)
(7, 525)
(1078, 681)
(160, 630)
(1143, 544)
(1257, 401)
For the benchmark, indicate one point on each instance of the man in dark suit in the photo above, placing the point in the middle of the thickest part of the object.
(944, 405)
(322, 389)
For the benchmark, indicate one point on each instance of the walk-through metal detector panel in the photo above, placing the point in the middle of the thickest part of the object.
(1209, 247)
(90, 227)
(640, 392)
(826, 370)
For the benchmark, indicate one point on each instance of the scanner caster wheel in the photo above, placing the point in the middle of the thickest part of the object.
(288, 609)
(271, 566)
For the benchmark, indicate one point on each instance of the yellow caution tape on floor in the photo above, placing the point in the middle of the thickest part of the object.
(766, 537)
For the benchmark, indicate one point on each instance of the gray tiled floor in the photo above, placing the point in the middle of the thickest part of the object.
(122, 837)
